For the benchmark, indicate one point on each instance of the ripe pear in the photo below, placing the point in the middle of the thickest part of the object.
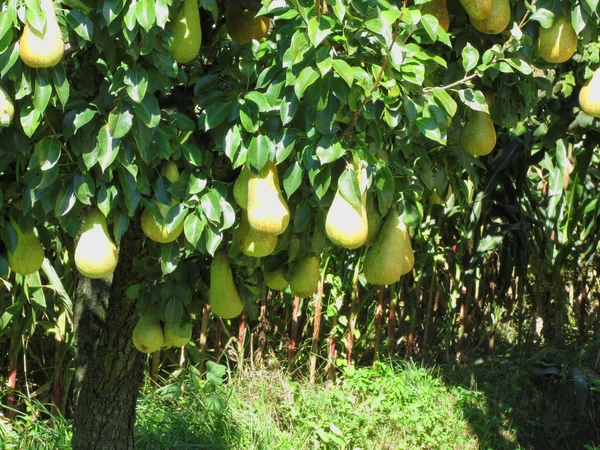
(148, 334)
(558, 43)
(29, 253)
(304, 281)
(346, 225)
(589, 96)
(497, 21)
(187, 33)
(223, 295)
(96, 255)
(478, 9)
(439, 10)
(478, 136)
(276, 280)
(242, 25)
(391, 256)
(44, 49)
(150, 226)
(7, 109)
(267, 209)
(240, 188)
(176, 334)
(255, 243)
(375, 221)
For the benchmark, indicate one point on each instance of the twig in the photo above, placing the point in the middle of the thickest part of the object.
(64, 147)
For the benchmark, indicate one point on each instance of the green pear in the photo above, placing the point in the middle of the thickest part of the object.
(240, 188)
(243, 26)
(176, 334)
(478, 9)
(44, 49)
(276, 280)
(347, 225)
(391, 256)
(558, 43)
(155, 230)
(497, 21)
(29, 253)
(96, 255)
(7, 109)
(304, 280)
(148, 334)
(589, 96)
(255, 243)
(223, 295)
(267, 209)
(439, 10)
(187, 33)
(375, 221)
(478, 136)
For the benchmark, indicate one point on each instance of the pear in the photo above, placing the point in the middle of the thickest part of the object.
(240, 188)
(558, 43)
(29, 253)
(187, 33)
(7, 109)
(148, 334)
(242, 25)
(268, 211)
(391, 256)
(44, 49)
(478, 136)
(150, 226)
(276, 280)
(304, 281)
(589, 96)
(346, 225)
(96, 255)
(375, 221)
(478, 9)
(223, 295)
(176, 335)
(439, 10)
(497, 21)
(255, 243)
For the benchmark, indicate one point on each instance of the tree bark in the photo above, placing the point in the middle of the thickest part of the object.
(109, 370)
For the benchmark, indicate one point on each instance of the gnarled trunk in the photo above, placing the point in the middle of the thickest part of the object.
(109, 370)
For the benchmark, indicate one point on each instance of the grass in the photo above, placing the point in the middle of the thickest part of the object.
(498, 405)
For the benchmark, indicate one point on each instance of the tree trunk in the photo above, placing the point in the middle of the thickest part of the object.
(109, 370)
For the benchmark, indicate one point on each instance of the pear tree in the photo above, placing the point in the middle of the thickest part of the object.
(169, 154)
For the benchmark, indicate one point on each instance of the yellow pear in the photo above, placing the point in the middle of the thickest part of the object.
(276, 280)
(187, 33)
(439, 10)
(176, 335)
(242, 25)
(478, 136)
(96, 255)
(304, 280)
(223, 295)
(391, 256)
(478, 9)
(7, 109)
(255, 243)
(267, 209)
(150, 226)
(375, 221)
(240, 188)
(44, 49)
(148, 334)
(497, 21)
(29, 253)
(558, 43)
(589, 96)
(346, 225)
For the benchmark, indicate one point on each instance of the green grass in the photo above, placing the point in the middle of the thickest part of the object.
(393, 406)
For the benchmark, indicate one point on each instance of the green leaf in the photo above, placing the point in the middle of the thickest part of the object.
(148, 111)
(30, 118)
(349, 188)
(48, 152)
(470, 57)
(430, 128)
(319, 28)
(215, 114)
(83, 185)
(120, 120)
(193, 154)
(145, 13)
(259, 151)
(136, 80)
(344, 70)
(42, 93)
(108, 148)
(329, 149)
(211, 206)
(307, 77)
(232, 142)
(292, 178)
(61, 84)
(193, 227)
(81, 24)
